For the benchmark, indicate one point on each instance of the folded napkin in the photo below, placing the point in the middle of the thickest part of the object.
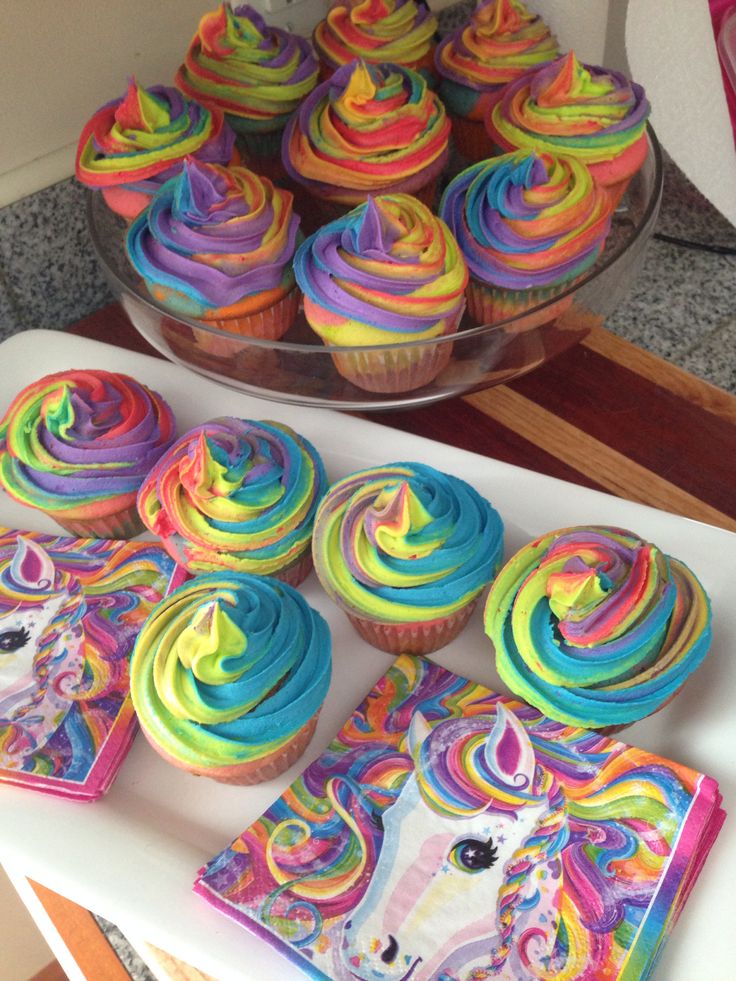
(70, 610)
(451, 833)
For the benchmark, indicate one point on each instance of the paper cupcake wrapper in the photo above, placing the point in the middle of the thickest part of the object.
(121, 525)
(413, 638)
(254, 771)
(297, 571)
(471, 139)
(269, 324)
(490, 305)
(395, 370)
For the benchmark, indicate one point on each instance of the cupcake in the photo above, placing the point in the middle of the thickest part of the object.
(228, 676)
(593, 114)
(136, 143)
(370, 129)
(596, 627)
(239, 495)
(528, 226)
(388, 273)
(405, 551)
(77, 446)
(502, 41)
(217, 244)
(257, 75)
(397, 31)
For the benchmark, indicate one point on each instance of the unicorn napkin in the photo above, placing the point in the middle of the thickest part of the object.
(454, 834)
(70, 610)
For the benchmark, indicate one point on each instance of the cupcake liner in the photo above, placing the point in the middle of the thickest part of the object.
(269, 324)
(120, 525)
(254, 771)
(413, 638)
(395, 370)
(490, 304)
(297, 571)
(471, 139)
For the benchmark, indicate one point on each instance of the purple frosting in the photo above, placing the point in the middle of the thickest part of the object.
(205, 236)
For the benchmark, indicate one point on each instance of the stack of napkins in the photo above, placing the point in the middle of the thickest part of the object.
(70, 610)
(451, 833)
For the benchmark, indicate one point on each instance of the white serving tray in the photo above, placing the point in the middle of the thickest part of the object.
(133, 855)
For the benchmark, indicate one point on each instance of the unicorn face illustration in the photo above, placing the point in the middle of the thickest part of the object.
(456, 861)
(41, 660)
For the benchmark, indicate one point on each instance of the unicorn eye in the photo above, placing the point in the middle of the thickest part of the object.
(473, 855)
(13, 640)
(376, 819)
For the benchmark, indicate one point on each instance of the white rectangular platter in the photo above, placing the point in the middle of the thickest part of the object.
(133, 855)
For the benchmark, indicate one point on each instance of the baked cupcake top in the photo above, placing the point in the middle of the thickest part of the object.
(399, 31)
(405, 543)
(367, 128)
(82, 441)
(501, 41)
(143, 137)
(235, 494)
(390, 267)
(246, 68)
(566, 107)
(228, 668)
(595, 626)
(525, 220)
(215, 235)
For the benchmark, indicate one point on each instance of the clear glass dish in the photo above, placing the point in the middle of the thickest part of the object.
(301, 369)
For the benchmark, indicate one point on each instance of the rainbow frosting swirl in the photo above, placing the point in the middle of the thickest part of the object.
(405, 543)
(256, 74)
(388, 271)
(369, 128)
(142, 138)
(524, 221)
(502, 41)
(78, 443)
(596, 627)
(399, 31)
(593, 114)
(213, 237)
(228, 668)
(235, 494)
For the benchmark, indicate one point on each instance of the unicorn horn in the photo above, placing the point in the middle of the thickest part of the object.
(418, 731)
(508, 750)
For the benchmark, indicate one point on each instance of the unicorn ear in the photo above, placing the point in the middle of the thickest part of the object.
(31, 568)
(418, 731)
(508, 751)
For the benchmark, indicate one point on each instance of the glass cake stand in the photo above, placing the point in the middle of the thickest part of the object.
(301, 369)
